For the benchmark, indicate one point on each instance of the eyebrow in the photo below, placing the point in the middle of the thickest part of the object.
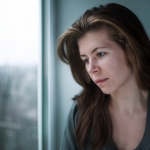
(93, 50)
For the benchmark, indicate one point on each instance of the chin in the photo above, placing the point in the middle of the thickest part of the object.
(106, 91)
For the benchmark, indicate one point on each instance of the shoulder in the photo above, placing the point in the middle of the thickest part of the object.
(69, 142)
(73, 115)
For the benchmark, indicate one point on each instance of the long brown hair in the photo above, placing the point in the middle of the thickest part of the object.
(127, 31)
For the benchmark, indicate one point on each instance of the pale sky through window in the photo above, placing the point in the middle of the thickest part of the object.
(20, 39)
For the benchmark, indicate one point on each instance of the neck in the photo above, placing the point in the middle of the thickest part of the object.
(129, 101)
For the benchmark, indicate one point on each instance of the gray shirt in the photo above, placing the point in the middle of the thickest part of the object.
(69, 142)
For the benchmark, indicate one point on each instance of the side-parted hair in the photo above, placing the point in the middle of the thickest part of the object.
(126, 30)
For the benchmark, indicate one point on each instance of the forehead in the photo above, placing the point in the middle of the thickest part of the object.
(94, 38)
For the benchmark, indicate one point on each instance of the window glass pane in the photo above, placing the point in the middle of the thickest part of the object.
(19, 55)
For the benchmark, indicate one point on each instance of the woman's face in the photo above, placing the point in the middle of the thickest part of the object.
(104, 61)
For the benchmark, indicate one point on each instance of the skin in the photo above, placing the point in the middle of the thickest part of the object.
(104, 59)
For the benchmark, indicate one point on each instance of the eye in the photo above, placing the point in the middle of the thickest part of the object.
(86, 61)
(100, 54)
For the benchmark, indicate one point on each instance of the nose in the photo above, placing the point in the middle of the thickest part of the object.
(92, 67)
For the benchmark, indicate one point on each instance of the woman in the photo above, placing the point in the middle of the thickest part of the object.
(108, 52)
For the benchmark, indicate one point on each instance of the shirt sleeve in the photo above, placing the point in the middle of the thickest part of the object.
(69, 142)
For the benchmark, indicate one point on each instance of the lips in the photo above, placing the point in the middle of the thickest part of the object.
(100, 80)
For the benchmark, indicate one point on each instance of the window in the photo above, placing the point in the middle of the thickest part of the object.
(20, 46)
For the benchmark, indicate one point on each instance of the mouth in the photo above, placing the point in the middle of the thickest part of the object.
(100, 81)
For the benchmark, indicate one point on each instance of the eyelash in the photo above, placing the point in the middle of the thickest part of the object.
(98, 54)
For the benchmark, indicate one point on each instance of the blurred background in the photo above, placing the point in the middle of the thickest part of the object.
(35, 87)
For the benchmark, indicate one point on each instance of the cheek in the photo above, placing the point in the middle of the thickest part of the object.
(115, 66)
(86, 68)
